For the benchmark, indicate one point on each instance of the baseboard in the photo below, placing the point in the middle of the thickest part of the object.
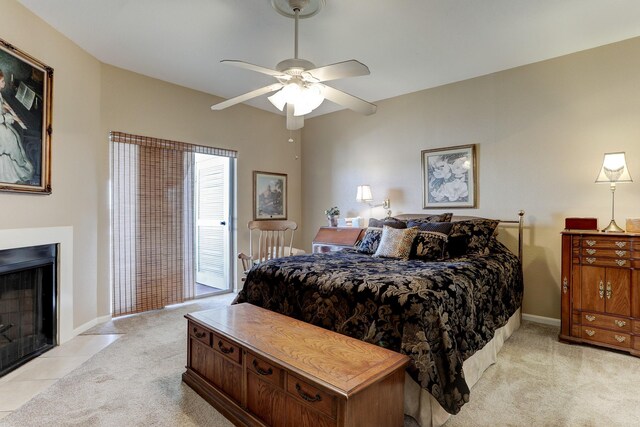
(541, 319)
(90, 324)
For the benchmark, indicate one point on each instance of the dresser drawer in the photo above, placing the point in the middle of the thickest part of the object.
(618, 339)
(606, 253)
(601, 242)
(265, 370)
(226, 348)
(200, 333)
(604, 321)
(605, 262)
(318, 399)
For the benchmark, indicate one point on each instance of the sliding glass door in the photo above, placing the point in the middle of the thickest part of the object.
(171, 206)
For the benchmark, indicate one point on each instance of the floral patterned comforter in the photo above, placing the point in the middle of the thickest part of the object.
(437, 313)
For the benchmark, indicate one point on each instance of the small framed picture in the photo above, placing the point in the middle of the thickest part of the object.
(269, 195)
(449, 177)
(25, 122)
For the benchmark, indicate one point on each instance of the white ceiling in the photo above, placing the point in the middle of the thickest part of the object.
(409, 45)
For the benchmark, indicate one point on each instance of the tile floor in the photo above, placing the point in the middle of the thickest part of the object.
(19, 386)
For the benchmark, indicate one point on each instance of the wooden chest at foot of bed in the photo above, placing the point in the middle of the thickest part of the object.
(260, 368)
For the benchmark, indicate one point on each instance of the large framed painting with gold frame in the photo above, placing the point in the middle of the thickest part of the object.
(26, 86)
(269, 195)
(449, 177)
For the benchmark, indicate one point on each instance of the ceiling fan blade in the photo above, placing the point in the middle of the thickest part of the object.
(252, 67)
(293, 122)
(352, 102)
(339, 70)
(247, 96)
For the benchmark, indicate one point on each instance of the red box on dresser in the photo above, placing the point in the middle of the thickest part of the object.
(581, 223)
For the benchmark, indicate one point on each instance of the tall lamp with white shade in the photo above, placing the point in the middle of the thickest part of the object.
(614, 170)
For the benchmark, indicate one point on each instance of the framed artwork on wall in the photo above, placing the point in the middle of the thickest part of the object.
(269, 195)
(449, 177)
(26, 86)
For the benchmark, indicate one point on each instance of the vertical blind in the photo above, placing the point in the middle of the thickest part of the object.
(152, 221)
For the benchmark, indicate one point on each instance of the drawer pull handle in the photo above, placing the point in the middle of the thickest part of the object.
(619, 338)
(590, 242)
(260, 370)
(590, 318)
(621, 253)
(199, 334)
(225, 350)
(591, 251)
(565, 285)
(621, 244)
(591, 260)
(621, 262)
(306, 397)
(601, 289)
(609, 290)
(589, 332)
(620, 323)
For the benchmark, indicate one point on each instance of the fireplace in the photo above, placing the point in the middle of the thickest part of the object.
(28, 295)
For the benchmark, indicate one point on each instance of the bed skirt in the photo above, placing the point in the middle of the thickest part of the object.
(425, 409)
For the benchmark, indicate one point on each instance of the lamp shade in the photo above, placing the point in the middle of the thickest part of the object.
(364, 193)
(614, 169)
(304, 98)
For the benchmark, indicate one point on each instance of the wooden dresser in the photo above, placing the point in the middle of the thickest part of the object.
(260, 368)
(600, 289)
(329, 239)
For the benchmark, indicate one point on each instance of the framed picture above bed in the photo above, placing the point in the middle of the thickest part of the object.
(269, 195)
(25, 122)
(449, 177)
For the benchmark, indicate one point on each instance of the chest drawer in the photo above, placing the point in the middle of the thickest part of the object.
(606, 253)
(619, 339)
(200, 333)
(604, 321)
(305, 392)
(603, 262)
(226, 348)
(602, 242)
(265, 370)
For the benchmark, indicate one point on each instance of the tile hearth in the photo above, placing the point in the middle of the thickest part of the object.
(19, 386)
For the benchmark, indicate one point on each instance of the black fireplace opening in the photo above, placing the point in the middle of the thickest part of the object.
(28, 294)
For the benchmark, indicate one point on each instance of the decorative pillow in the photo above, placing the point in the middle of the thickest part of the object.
(444, 217)
(395, 242)
(370, 241)
(428, 246)
(456, 246)
(440, 227)
(478, 232)
(391, 222)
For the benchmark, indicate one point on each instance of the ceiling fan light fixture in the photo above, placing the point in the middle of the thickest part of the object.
(277, 99)
(310, 98)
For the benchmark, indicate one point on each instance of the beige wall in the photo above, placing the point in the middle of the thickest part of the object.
(75, 150)
(90, 99)
(541, 132)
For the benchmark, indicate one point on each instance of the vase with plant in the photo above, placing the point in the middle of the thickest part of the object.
(332, 215)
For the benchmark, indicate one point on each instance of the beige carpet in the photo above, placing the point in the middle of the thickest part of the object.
(137, 382)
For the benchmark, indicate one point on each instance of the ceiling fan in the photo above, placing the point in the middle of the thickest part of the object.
(300, 85)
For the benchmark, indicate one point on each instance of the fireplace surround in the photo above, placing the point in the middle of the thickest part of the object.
(62, 236)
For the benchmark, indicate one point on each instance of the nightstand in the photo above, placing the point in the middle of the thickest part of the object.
(330, 239)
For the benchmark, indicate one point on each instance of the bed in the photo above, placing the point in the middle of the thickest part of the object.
(449, 314)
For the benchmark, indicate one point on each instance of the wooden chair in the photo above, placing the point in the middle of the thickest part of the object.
(268, 240)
